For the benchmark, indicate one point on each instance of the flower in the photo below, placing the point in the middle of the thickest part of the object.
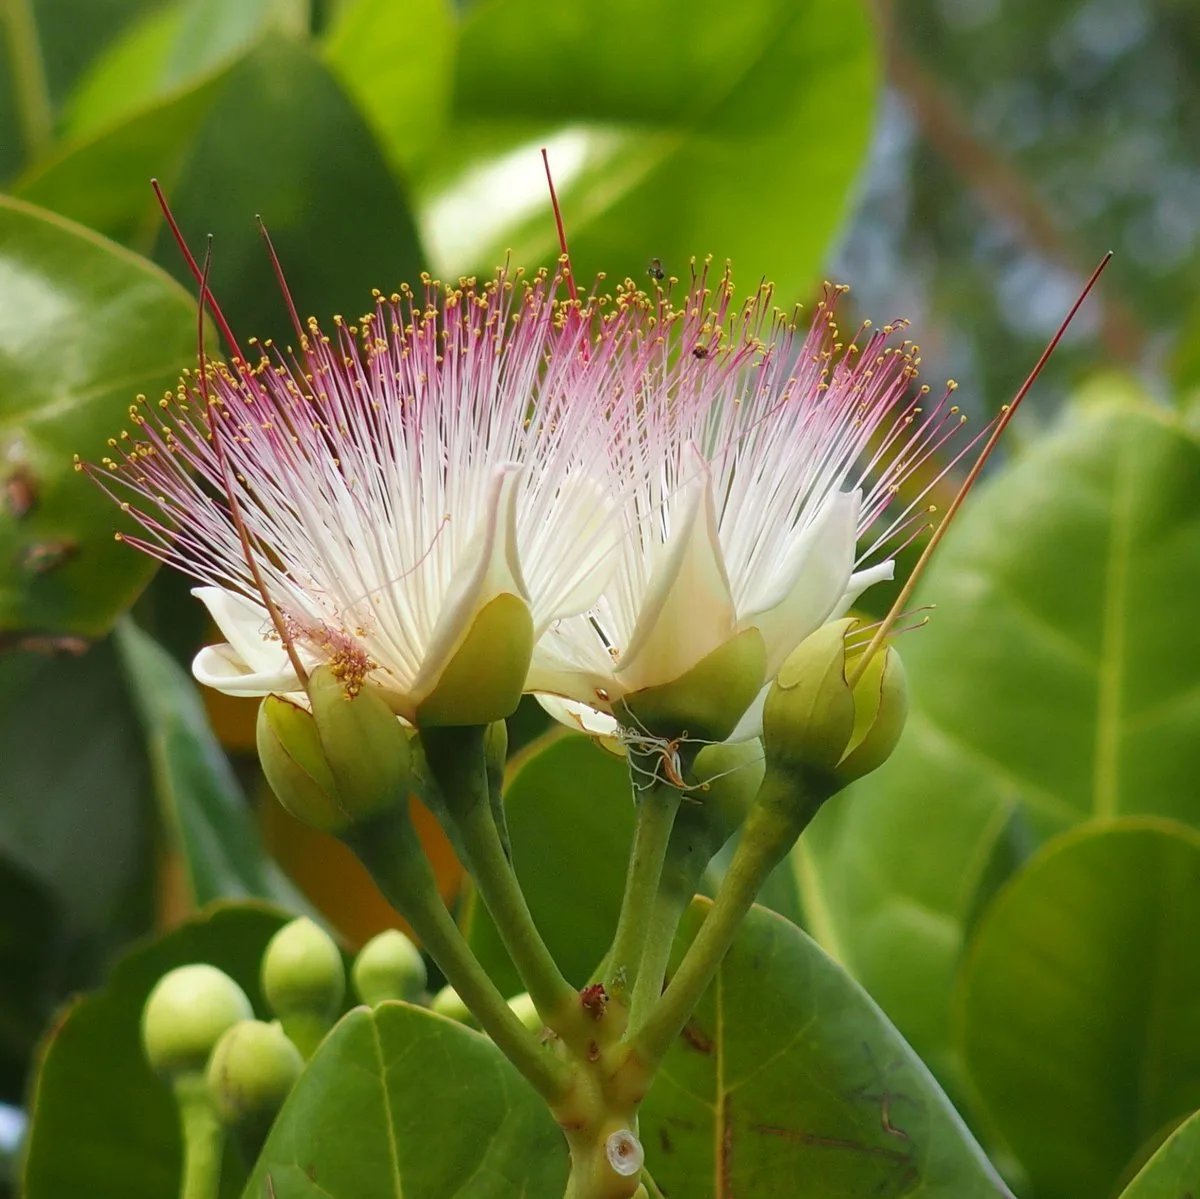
(410, 500)
(753, 459)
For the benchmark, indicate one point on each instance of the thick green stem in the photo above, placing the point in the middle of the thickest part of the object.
(203, 1138)
(34, 114)
(661, 924)
(389, 848)
(457, 761)
(780, 813)
(656, 810)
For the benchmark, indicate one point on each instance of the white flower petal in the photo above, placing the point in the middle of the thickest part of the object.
(750, 725)
(253, 662)
(860, 580)
(579, 716)
(687, 610)
(222, 668)
(489, 568)
(811, 579)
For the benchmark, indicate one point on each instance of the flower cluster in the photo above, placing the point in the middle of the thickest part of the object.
(479, 490)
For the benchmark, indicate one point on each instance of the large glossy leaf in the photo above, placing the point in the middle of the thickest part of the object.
(397, 61)
(399, 1101)
(1054, 684)
(789, 1080)
(307, 163)
(103, 1125)
(1079, 1001)
(676, 129)
(75, 809)
(1174, 1171)
(205, 812)
(84, 327)
(570, 820)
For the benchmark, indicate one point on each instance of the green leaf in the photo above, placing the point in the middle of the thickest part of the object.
(399, 1101)
(75, 811)
(1173, 1169)
(1053, 685)
(569, 810)
(31, 947)
(397, 61)
(790, 1081)
(101, 178)
(84, 327)
(741, 137)
(102, 1124)
(310, 166)
(201, 802)
(1079, 1001)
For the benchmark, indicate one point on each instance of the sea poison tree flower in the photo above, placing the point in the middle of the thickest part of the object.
(411, 499)
(758, 471)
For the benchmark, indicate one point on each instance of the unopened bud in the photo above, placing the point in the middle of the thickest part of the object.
(185, 1016)
(339, 764)
(389, 966)
(250, 1074)
(447, 1002)
(818, 725)
(304, 981)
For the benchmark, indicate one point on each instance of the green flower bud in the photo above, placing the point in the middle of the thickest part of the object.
(816, 724)
(389, 966)
(522, 1007)
(344, 762)
(186, 1014)
(250, 1074)
(447, 1002)
(706, 702)
(304, 981)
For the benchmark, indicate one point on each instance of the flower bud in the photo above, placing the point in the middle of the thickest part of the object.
(706, 702)
(389, 966)
(250, 1074)
(185, 1015)
(447, 1002)
(341, 763)
(817, 724)
(304, 981)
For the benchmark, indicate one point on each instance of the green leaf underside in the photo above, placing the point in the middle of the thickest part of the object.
(200, 799)
(1052, 687)
(84, 327)
(401, 1102)
(790, 1081)
(1079, 1001)
(102, 1124)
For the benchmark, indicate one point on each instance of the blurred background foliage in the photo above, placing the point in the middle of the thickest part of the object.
(963, 163)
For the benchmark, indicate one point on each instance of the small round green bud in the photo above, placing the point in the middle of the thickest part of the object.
(339, 764)
(522, 1007)
(447, 1002)
(250, 1074)
(185, 1015)
(302, 971)
(389, 966)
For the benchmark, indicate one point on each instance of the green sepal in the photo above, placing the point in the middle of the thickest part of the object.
(484, 679)
(706, 702)
(808, 717)
(293, 761)
(345, 761)
(880, 711)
